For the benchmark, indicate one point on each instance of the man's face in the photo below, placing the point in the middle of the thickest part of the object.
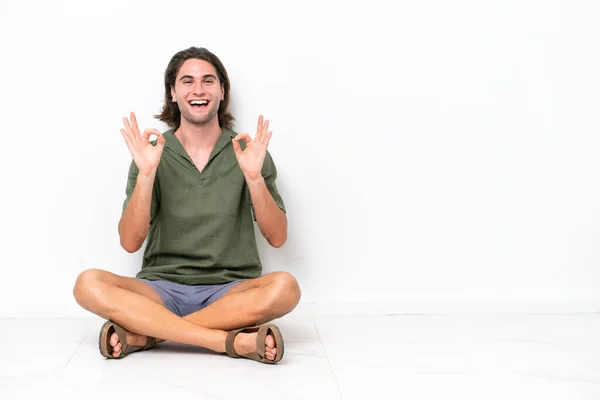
(197, 91)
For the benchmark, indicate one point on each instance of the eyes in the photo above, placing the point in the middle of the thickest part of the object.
(207, 81)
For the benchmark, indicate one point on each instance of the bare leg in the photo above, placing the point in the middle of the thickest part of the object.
(251, 302)
(138, 308)
(141, 314)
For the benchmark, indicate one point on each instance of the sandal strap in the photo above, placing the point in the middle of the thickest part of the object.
(129, 348)
(229, 341)
(150, 343)
(261, 336)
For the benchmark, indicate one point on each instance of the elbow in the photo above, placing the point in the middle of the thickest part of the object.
(280, 237)
(129, 247)
(278, 242)
(129, 242)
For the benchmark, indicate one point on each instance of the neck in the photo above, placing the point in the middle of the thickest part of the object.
(195, 137)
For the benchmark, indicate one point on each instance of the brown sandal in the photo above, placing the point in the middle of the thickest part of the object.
(104, 341)
(258, 355)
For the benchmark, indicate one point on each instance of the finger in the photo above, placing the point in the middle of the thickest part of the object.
(131, 145)
(264, 131)
(266, 140)
(150, 131)
(243, 136)
(134, 123)
(128, 129)
(160, 141)
(260, 123)
(127, 138)
(259, 128)
(236, 147)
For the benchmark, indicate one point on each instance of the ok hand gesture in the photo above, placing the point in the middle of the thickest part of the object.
(251, 159)
(145, 155)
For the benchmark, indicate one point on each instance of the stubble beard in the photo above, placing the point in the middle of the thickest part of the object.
(195, 119)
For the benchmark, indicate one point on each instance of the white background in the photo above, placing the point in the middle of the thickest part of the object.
(430, 151)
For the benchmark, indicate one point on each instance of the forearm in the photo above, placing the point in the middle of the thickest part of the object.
(270, 218)
(135, 222)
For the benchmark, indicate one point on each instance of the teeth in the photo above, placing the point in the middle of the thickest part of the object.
(198, 102)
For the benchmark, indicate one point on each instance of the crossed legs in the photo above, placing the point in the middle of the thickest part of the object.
(139, 309)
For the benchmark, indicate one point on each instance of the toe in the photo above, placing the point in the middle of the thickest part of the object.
(269, 356)
(117, 350)
(270, 342)
(114, 339)
(270, 349)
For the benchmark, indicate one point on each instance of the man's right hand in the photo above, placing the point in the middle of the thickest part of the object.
(145, 155)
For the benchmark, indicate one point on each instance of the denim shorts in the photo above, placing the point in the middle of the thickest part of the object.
(186, 299)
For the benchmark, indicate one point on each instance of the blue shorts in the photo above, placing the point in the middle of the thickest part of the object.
(186, 299)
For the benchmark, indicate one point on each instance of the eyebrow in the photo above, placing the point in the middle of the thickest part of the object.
(203, 77)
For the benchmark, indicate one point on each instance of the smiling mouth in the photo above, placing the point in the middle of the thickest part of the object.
(199, 104)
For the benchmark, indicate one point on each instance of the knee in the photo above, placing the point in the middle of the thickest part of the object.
(285, 291)
(86, 286)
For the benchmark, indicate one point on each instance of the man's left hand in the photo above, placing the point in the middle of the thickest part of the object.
(251, 159)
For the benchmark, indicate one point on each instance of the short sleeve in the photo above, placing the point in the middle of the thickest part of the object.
(131, 182)
(269, 173)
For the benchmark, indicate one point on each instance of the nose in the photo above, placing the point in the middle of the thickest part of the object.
(198, 88)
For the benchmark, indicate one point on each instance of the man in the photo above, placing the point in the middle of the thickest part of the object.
(195, 193)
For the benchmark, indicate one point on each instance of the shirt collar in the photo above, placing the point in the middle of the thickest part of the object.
(173, 143)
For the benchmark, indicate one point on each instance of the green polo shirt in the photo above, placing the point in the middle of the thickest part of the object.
(202, 225)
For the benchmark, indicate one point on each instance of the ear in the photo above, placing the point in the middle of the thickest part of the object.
(173, 96)
(222, 92)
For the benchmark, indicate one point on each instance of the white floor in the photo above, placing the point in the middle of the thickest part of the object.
(327, 357)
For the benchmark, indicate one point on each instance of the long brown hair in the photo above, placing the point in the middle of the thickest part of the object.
(170, 113)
